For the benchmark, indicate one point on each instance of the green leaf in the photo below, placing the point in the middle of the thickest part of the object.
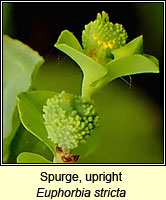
(20, 64)
(66, 37)
(91, 69)
(24, 141)
(134, 64)
(30, 106)
(14, 127)
(133, 47)
(152, 58)
(27, 157)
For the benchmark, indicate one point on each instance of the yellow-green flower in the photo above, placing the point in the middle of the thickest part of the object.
(105, 55)
(100, 37)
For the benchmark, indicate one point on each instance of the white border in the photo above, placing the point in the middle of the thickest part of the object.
(77, 164)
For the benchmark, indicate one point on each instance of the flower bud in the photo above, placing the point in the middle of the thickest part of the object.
(69, 119)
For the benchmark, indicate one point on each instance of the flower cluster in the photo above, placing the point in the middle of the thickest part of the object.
(69, 119)
(100, 37)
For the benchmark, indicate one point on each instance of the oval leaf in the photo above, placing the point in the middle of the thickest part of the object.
(24, 141)
(134, 64)
(15, 123)
(30, 106)
(20, 64)
(27, 157)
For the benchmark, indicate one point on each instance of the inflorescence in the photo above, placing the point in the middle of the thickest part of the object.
(69, 119)
(100, 37)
